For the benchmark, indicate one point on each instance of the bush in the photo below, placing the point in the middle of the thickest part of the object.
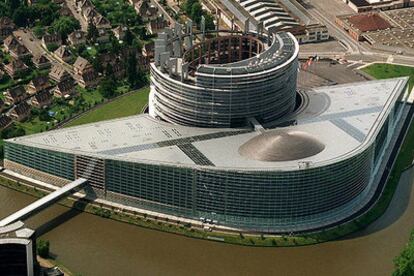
(43, 248)
(52, 47)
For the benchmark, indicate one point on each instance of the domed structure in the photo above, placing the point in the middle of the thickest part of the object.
(281, 145)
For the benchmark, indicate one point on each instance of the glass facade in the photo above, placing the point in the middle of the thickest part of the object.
(259, 200)
(52, 162)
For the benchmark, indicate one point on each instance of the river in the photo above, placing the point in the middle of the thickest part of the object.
(91, 245)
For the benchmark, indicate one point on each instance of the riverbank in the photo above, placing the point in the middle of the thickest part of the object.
(50, 263)
(154, 223)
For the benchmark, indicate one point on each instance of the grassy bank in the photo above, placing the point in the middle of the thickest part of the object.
(127, 105)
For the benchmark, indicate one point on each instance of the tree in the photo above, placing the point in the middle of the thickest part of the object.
(44, 115)
(23, 15)
(39, 31)
(404, 263)
(115, 47)
(196, 12)
(92, 33)
(107, 87)
(65, 25)
(128, 38)
(188, 6)
(11, 132)
(209, 22)
(14, 4)
(43, 248)
(131, 69)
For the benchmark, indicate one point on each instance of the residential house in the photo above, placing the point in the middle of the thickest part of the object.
(38, 84)
(81, 65)
(63, 54)
(146, 10)
(65, 11)
(142, 61)
(157, 25)
(41, 62)
(85, 73)
(119, 32)
(148, 50)
(15, 68)
(89, 13)
(54, 38)
(118, 69)
(58, 73)
(15, 48)
(6, 27)
(88, 79)
(83, 5)
(77, 37)
(110, 59)
(107, 58)
(42, 99)
(65, 89)
(20, 112)
(2, 105)
(5, 121)
(10, 42)
(101, 22)
(15, 95)
(103, 36)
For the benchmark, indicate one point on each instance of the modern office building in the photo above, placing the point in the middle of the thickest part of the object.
(226, 140)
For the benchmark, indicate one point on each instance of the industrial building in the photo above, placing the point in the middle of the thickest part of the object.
(229, 140)
(285, 15)
(371, 5)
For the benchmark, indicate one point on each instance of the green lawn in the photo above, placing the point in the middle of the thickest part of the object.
(124, 106)
(386, 71)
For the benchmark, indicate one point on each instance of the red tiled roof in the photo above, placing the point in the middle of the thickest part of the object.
(369, 22)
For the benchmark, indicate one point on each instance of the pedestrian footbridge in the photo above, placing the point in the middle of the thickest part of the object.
(45, 202)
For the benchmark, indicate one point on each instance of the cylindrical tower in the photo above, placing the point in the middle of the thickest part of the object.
(225, 80)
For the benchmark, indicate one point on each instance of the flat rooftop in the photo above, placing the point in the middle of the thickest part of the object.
(343, 118)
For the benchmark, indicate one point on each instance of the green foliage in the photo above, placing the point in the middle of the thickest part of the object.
(118, 12)
(39, 31)
(128, 38)
(44, 115)
(194, 10)
(65, 25)
(103, 213)
(43, 12)
(13, 131)
(131, 69)
(404, 263)
(188, 6)
(107, 87)
(51, 47)
(92, 33)
(43, 248)
(209, 22)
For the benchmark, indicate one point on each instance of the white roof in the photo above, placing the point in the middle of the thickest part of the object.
(344, 118)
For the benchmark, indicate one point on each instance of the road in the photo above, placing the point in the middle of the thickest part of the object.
(36, 48)
(78, 16)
